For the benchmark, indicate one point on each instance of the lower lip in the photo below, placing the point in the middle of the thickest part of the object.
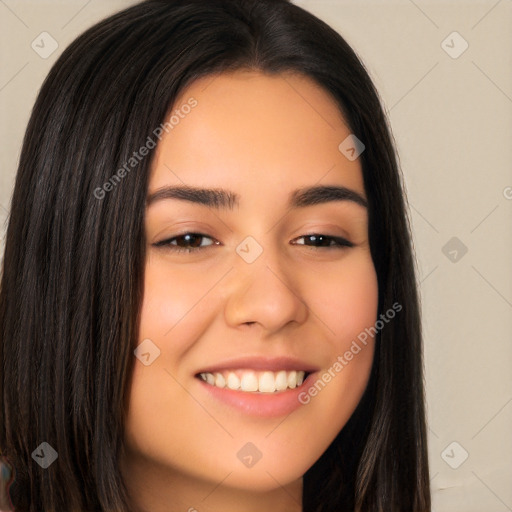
(267, 405)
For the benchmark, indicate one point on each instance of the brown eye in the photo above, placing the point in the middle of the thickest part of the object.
(325, 241)
(186, 242)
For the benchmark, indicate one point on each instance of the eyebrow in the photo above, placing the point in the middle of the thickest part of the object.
(219, 198)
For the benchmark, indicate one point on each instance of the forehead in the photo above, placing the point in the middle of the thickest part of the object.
(255, 132)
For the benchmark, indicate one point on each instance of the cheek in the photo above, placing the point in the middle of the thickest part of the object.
(347, 304)
(172, 317)
(174, 306)
(168, 295)
(346, 300)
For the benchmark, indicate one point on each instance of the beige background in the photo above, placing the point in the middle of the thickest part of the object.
(452, 120)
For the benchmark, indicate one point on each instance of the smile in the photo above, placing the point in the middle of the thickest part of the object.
(255, 381)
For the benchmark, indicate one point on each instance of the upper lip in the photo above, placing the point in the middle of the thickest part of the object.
(261, 363)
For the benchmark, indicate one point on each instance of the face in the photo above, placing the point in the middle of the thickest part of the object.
(244, 298)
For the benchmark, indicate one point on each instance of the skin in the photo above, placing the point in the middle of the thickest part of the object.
(260, 136)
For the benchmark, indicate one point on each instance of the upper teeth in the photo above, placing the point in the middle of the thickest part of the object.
(249, 380)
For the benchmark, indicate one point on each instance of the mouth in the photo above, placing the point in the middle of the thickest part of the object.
(257, 386)
(251, 381)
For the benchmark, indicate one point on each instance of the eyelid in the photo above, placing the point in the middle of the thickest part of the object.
(340, 242)
(166, 241)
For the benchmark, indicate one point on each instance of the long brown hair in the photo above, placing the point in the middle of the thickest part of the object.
(71, 283)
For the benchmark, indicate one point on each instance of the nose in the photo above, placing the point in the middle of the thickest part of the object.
(264, 292)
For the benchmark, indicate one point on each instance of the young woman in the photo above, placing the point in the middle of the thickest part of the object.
(208, 299)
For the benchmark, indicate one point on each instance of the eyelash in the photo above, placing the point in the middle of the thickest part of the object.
(340, 243)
